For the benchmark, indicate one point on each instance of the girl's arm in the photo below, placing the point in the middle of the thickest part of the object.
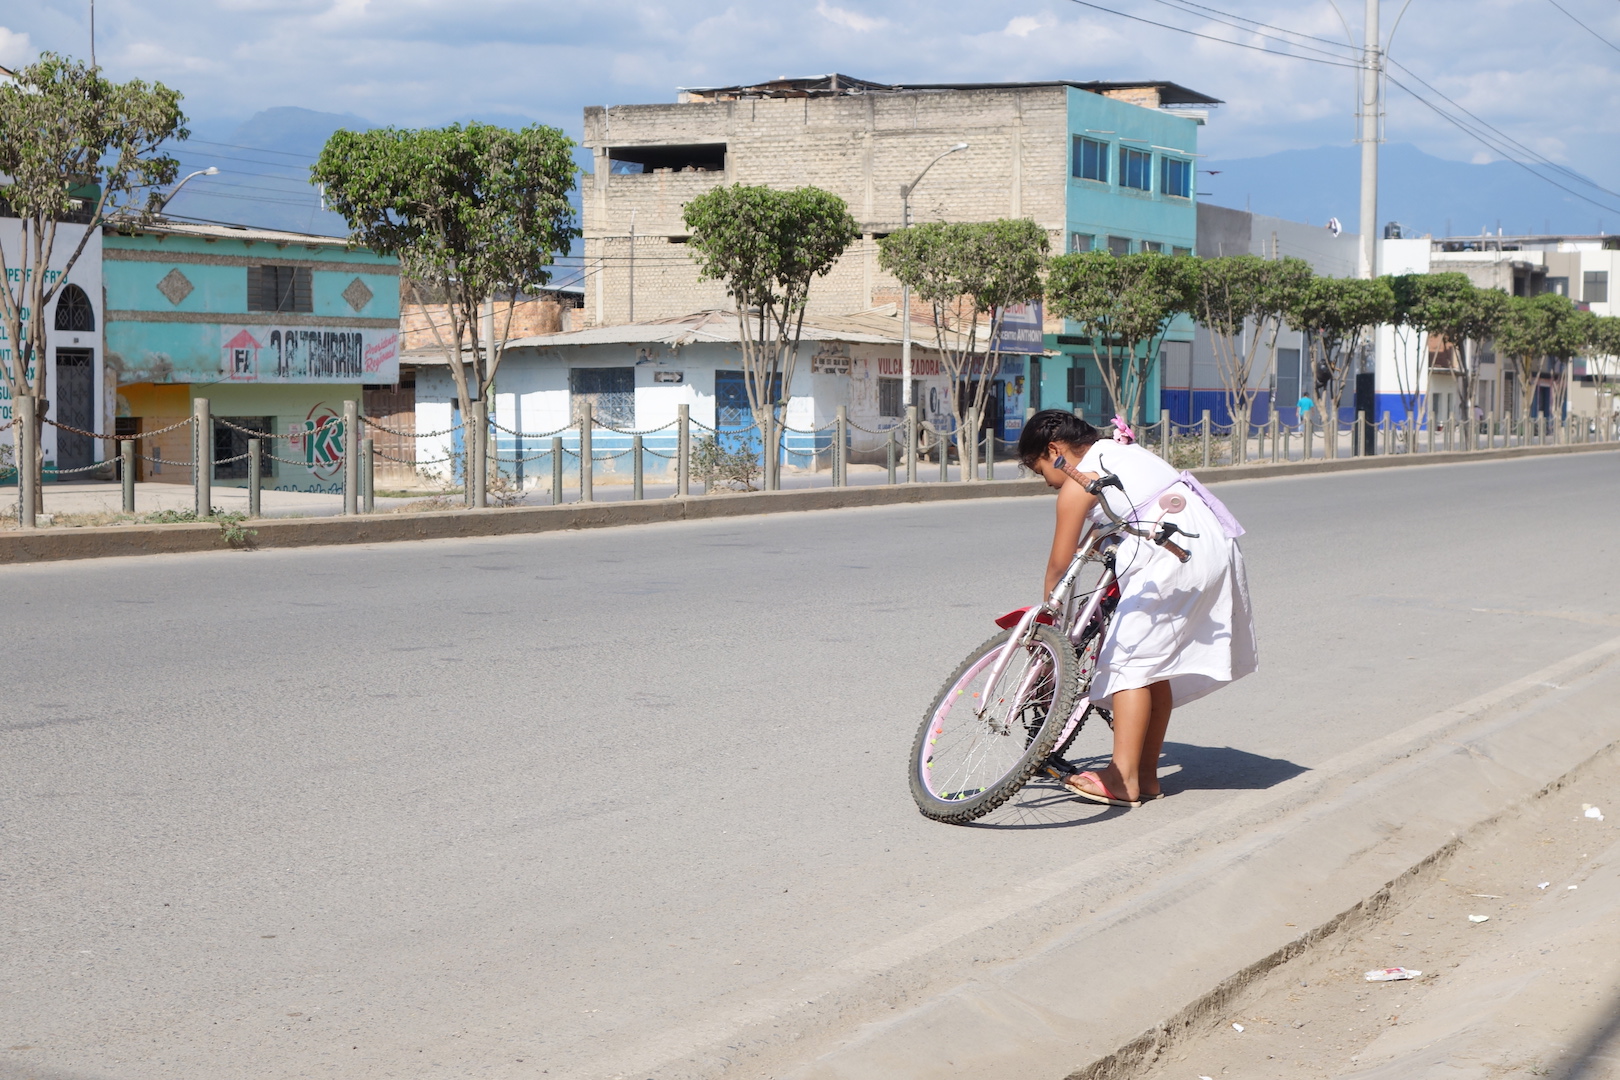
(1073, 504)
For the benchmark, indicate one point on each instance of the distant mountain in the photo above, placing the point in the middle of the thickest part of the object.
(1424, 193)
(263, 167)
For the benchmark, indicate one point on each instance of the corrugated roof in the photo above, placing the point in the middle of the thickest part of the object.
(880, 326)
(229, 232)
(1170, 93)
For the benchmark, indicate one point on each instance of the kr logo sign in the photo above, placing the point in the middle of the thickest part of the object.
(321, 437)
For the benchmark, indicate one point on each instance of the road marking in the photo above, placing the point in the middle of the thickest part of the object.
(724, 1027)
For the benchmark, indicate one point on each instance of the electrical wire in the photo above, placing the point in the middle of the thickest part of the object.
(1355, 49)
(1583, 26)
(1464, 127)
(1211, 37)
(1186, 6)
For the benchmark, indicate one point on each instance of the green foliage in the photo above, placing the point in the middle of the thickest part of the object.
(229, 522)
(1124, 305)
(472, 212)
(1338, 315)
(715, 467)
(1533, 331)
(74, 146)
(964, 270)
(1451, 306)
(1231, 292)
(767, 246)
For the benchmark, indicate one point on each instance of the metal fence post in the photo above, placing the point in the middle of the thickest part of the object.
(126, 463)
(368, 475)
(1164, 435)
(683, 451)
(557, 469)
(891, 457)
(1205, 437)
(255, 481)
(587, 457)
(478, 438)
(840, 461)
(202, 456)
(27, 508)
(944, 439)
(1274, 425)
(912, 440)
(637, 475)
(767, 432)
(1305, 434)
(351, 455)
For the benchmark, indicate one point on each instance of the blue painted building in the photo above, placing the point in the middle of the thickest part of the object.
(277, 329)
(1131, 188)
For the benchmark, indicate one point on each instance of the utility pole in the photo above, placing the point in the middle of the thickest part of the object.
(905, 290)
(1370, 132)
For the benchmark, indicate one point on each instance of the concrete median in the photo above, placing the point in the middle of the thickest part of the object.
(43, 545)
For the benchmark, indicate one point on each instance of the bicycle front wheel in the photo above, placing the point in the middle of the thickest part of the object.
(979, 744)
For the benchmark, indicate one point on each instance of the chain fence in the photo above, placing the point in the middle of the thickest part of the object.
(687, 455)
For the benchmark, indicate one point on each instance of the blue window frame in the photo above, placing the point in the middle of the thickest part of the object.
(1090, 159)
(1135, 169)
(1175, 177)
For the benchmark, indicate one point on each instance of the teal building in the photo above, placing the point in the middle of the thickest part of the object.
(277, 329)
(1132, 187)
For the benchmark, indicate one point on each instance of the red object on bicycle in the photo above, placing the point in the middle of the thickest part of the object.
(1010, 620)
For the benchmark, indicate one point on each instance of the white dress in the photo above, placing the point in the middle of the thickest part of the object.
(1189, 623)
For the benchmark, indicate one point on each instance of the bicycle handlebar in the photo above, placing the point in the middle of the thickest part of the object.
(1166, 530)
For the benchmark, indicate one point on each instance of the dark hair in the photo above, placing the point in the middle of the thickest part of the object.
(1050, 426)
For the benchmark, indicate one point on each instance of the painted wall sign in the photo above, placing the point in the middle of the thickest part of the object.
(296, 354)
(669, 376)
(318, 438)
(920, 366)
(830, 360)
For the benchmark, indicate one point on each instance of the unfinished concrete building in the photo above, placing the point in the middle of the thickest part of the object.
(1106, 165)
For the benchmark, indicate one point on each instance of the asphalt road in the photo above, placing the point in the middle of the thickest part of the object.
(570, 804)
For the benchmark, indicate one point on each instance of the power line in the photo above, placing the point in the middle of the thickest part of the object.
(1583, 26)
(1267, 26)
(1211, 37)
(1464, 127)
(1510, 140)
(1186, 5)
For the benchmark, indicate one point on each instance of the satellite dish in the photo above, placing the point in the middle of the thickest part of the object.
(1334, 227)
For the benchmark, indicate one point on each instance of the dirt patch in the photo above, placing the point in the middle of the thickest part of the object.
(1517, 933)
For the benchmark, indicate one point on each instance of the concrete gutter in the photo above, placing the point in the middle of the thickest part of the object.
(43, 545)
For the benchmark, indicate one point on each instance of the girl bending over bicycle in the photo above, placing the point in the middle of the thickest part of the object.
(1182, 627)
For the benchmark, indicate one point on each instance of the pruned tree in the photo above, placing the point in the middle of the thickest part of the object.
(75, 147)
(967, 272)
(1243, 301)
(1338, 317)
(1124, 306)
(1599, 337)
(767, 246)
(1462, 315)
(1538, 334)
(473, 212)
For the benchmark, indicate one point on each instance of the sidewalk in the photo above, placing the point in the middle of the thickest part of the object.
(1532, 991)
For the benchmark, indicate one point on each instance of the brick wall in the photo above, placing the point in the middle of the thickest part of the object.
(530, 317)
(861, 147)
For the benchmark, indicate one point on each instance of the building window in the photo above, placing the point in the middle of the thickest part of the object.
(1119, 245)
(279, 288)
(232, 443)
(1077, 384)
(1081, 242)
(1090, 159)
(1180, 251)
(610, 392)
(1153, 246)
(1175, 177)
(891, 393)
(1594, 287)
(74, 313)
(1135, 169)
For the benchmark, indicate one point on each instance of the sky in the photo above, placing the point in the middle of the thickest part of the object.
(1526, 67)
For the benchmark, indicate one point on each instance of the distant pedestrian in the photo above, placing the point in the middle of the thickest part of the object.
(1305, 405)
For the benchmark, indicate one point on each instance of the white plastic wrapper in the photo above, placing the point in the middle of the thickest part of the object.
(1392, 975)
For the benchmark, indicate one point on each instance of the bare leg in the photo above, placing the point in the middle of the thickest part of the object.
(1141, 718)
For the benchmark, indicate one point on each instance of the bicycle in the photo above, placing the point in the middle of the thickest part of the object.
(1029, 685)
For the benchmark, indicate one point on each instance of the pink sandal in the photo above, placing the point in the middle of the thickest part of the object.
(1105, 798)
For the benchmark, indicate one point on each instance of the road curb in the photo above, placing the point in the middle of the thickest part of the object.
(1351, 836)
(46, 545)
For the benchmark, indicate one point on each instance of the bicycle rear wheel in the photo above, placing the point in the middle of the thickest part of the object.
(1086, 654)
(964, 765)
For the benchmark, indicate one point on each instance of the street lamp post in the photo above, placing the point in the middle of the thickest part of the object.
(905, 290)
(167, 199)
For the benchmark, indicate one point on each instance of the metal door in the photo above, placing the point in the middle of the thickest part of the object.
(733, 416)
(74, 404)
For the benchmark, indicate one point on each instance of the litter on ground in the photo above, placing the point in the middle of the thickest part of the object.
(1395, 974)
(1479, 918)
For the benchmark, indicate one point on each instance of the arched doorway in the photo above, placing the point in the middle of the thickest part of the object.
(74, 399)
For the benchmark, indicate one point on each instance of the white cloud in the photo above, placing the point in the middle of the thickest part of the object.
(15, 48)
(1023, 26)
(849, 20)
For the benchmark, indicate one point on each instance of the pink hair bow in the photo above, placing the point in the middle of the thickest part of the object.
(1123, 432)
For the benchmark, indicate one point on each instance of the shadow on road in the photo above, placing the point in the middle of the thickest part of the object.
(1045, 804)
